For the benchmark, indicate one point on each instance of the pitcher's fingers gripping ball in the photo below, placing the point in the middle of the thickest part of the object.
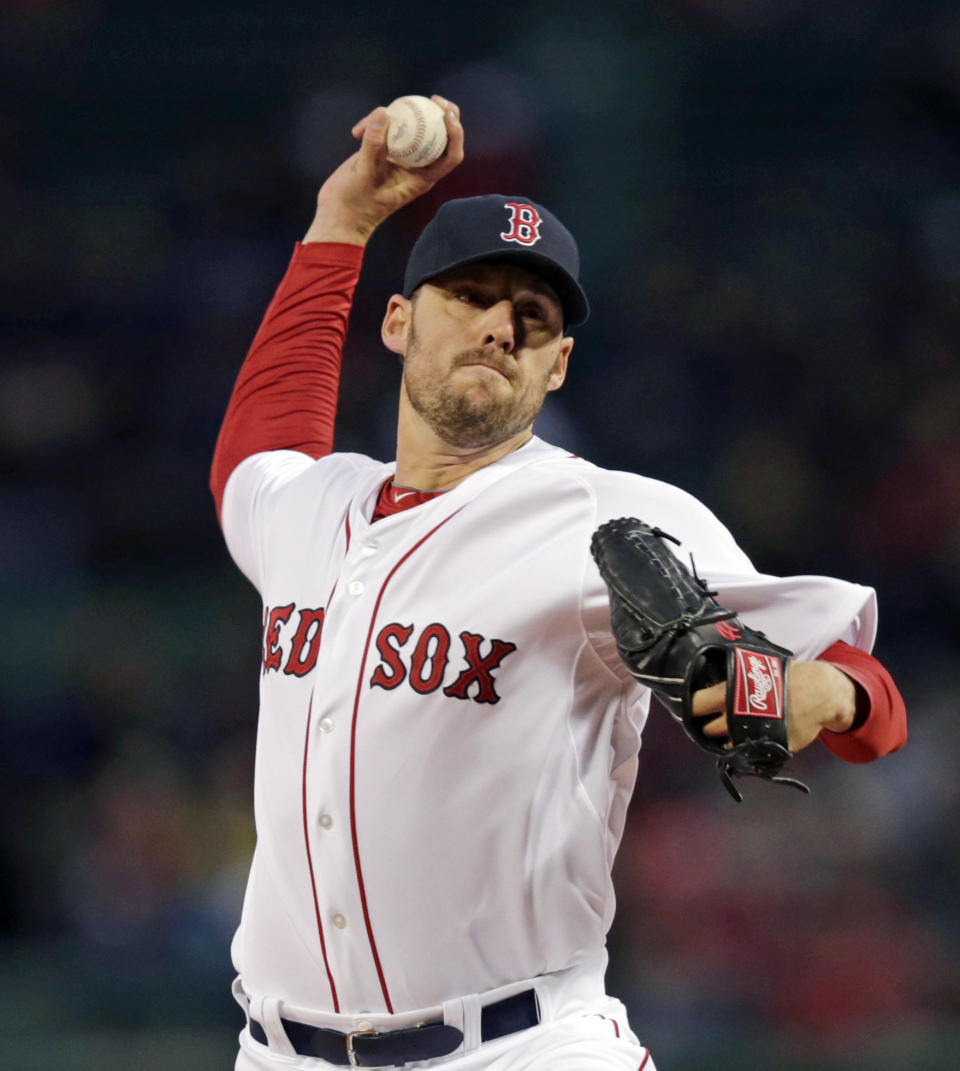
(417, 134)
(676, 638)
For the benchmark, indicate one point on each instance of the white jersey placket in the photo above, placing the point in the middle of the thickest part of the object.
(332, 840)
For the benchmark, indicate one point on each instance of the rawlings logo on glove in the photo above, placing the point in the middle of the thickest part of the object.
(676, 638)
(759, 686)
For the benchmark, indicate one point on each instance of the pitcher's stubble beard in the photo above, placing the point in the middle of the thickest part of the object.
(470, 418)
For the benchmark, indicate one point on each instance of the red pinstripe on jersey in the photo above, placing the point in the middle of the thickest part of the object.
(613, 1023)
(353, 755)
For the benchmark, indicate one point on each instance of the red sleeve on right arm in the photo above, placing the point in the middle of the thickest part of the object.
(285, 397)
(884, 728)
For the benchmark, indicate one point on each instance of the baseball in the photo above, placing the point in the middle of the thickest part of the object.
(417, 134)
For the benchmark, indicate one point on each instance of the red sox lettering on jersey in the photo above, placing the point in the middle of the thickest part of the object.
(429, 660)
(423, 663)
(303, 646)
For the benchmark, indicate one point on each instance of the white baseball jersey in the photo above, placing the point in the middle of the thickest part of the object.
(447, 738)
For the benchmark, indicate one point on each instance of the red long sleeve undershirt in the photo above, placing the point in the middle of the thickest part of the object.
(285, 398)
(881, 723)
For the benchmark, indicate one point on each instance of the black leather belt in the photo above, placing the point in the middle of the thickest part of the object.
(363, 1048)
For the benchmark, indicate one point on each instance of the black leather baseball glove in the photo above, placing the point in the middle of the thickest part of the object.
(676, 638)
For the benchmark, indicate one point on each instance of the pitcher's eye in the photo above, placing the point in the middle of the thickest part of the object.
(468, 297)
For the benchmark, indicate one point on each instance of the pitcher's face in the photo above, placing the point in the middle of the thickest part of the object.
(483, 346)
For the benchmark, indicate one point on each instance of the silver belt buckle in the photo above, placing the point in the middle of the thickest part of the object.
(351, 1055)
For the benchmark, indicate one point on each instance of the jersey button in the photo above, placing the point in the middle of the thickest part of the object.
(325, 725)
(356, 587)
(340, 922)
(325, 821)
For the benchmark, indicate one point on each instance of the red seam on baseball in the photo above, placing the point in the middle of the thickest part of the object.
(414, 146)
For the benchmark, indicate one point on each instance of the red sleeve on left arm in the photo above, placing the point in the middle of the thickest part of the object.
(881, 725)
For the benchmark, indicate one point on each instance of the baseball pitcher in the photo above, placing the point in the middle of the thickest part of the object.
(459, 650)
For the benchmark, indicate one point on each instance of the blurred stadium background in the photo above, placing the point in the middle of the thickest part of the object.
(767, 198)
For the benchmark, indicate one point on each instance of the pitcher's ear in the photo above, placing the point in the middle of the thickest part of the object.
(396, 323)
(559, 372)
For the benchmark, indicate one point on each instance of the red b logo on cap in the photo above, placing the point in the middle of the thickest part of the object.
(524, 224)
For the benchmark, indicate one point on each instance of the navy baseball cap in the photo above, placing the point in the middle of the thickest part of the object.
(515, 230)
